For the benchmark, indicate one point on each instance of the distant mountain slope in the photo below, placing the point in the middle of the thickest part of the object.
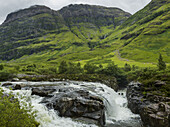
(87, 33)
(147, 33)
(38, 28)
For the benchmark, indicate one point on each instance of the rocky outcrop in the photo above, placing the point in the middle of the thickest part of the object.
(43, 92)
(97, 15)
(153, 109)
(156, 115)
(78, 104)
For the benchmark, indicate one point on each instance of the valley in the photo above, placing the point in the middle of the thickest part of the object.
(85, 66)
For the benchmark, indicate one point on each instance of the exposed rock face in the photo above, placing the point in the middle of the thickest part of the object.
(78, 104)
(97, 15)
(154, 110)
(33, 10)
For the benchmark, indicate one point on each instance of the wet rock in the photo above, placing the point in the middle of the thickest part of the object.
(54, 80)
(15, 79)
(43, 92)
(78, 103)
(17, 87)
(7, 84)
(156, 115)
(154, 110)
(23, 80)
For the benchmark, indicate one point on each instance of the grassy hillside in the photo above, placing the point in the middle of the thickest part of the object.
(146, 33)
(84, 33)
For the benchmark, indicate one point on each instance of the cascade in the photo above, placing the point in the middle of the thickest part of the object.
(117, 112)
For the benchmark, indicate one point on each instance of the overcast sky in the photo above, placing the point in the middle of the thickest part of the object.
(8, 6)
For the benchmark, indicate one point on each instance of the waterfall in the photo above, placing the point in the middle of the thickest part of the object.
(117, 112)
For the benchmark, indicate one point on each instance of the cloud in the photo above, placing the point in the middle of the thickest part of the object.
(8, 6)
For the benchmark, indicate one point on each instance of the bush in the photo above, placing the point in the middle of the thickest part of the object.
(1, 67)
(12, 115)
(5, 75)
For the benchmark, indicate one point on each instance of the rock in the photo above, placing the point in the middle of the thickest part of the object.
(23, 80)
(7, 84)
(154, 116)
(43, 92)
(78, 103)
(154, 110)
(17, 87)
(54, 80)
(15, 79)
(159, 83)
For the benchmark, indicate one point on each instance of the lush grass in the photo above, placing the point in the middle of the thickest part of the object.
(139, 40)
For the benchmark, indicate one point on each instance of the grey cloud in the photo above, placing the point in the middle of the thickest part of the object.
(8, 6)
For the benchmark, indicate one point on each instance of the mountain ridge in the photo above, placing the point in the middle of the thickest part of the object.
(37, 21)
(85, 33)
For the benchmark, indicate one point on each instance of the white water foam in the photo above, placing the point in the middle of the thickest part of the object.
(116, 109)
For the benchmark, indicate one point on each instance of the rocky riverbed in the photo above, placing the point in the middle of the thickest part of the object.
(88, 104)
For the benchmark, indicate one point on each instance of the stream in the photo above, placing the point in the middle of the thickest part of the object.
(117, 113)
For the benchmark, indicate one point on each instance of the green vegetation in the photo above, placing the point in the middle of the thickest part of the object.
(85, 43)
(90, 41)
(161, 63)
(149, 77)
(12, 115)
(88, 38)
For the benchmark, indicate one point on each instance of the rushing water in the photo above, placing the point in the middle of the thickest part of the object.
(117, 113)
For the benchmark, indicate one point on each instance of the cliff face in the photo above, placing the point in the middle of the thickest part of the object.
(97, 15)
(32, 11)
(78, 13)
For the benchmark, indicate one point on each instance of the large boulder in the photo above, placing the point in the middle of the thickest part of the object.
(156, 115)
(7, 84)
(43, 92)
(78, 104)
(153, 109)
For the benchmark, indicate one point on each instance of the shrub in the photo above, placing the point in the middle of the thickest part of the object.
(161, 63)
(12, 115)
(5, 75)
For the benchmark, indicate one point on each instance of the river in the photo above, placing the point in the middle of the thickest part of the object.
(117, 113)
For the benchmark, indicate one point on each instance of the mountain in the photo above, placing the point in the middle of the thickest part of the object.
(39, 29)
(146, 33)
(87, 33)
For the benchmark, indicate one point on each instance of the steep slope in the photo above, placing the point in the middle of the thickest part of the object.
(87, 33)
(38, 30)
(146, 34)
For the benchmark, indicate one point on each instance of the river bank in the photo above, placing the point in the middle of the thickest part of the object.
(153, 109)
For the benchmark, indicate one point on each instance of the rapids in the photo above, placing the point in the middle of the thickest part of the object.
(117, 113)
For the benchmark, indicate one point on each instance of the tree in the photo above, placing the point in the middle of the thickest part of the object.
(63, 67)
(1, 67)
(90, 68)
(161, 63)
(112, 70)
(127, 67)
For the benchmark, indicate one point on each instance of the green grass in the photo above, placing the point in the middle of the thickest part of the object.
(146, 34)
